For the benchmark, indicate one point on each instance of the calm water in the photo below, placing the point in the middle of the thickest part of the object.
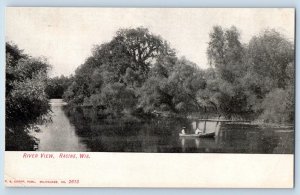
(81, 130)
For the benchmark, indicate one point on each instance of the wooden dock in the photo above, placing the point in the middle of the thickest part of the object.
(222, 120)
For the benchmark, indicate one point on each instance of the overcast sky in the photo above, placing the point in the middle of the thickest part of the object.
(66, 35)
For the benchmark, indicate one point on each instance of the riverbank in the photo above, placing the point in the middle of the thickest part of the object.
(139, 116)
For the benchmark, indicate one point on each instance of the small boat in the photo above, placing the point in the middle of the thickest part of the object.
(202, 135)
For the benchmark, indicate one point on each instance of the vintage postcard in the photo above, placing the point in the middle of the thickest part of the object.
(150, 97)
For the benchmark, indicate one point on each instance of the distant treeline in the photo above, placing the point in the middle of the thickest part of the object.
(56, 86)
(138, 72)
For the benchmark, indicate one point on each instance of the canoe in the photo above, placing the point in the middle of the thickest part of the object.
(203, 135)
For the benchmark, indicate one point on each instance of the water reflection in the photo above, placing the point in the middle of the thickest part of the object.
(240, 138)
(59, 135)
(81, 129)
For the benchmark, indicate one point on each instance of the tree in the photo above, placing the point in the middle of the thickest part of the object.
(124, 61)
(173, 86)
(246, 74)
(225, 52)
(117, 99)
(269, 55)
(226, 56)
(141, 66)
(216, 47)
(142, 46)
(270, 72)
(56, 86)
(26, 101)
(278, 106)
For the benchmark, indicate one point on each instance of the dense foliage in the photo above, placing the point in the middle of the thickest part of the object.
(256, 78)
(138, 72)
(56, 86)
(26, 101)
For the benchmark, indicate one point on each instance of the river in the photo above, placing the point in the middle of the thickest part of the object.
(80, 130)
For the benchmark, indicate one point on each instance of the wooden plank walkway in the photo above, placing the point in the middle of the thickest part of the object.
(222, 120)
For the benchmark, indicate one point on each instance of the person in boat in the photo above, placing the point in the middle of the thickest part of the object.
(198, 131)
(183, 130)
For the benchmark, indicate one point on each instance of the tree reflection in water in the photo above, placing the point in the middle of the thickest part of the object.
(162, 135)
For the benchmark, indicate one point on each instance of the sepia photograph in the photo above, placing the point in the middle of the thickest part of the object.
(150, 80)
(149, 97)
